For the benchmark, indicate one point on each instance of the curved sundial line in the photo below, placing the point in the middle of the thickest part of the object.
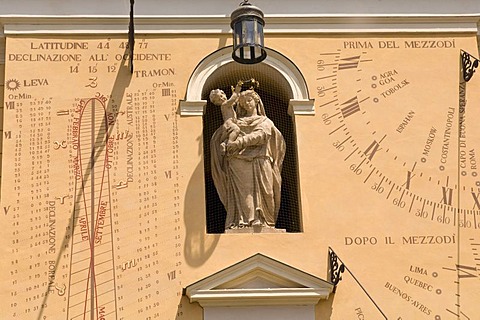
(89, 146)
(84, 175)
(91, 238)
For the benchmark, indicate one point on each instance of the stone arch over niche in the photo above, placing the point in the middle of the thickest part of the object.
(299, 104)
(284, 94)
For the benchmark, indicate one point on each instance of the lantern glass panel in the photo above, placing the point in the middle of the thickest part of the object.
(258, 52)
(246, 53)
(259, 34)
(250, 30)
(237, 34)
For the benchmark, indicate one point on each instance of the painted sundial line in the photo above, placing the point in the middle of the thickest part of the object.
(92, 215)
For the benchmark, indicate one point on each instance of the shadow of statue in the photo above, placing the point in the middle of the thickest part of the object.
(199, 245)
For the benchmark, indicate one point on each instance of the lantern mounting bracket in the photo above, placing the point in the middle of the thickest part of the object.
(131, 36)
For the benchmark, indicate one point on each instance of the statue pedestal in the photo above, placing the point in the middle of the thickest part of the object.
(258, 229)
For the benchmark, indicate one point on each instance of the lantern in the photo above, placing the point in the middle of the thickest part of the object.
(247, 24)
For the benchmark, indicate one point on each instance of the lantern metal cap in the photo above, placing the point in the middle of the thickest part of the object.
(246, 10)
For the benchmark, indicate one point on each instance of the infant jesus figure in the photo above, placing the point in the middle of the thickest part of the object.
(219, 98)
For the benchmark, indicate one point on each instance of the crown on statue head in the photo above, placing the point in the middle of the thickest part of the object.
(252, 83)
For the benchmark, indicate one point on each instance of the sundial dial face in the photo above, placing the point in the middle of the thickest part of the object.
(103, 189)
(402, 121)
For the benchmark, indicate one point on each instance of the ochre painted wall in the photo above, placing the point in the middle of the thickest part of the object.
(387, 177)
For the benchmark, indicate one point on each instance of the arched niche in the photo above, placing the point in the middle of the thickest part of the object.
(284, 94)
(299, 104)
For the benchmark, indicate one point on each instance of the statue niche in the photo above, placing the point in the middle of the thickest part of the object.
(247, 153)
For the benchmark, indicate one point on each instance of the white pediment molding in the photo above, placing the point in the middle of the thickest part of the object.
(259, 281)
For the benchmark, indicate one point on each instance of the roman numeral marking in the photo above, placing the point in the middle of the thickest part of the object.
(350, 63)
(409, 179)
(447, 195)
(475, 198)
(10, 105)
(372, 149)
(463, 273)
(352, 106)
(171, 275)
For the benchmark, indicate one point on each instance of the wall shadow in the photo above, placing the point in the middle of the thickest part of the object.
(199, 245)
(324, 308)
(187, 310)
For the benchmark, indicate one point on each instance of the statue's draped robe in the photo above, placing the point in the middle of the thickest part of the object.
(248, 181)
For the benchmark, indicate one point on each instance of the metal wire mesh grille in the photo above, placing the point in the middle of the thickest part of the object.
(275, 93)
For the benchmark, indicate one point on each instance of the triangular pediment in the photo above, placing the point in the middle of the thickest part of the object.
(259, 280)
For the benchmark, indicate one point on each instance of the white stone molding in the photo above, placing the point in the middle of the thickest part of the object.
(259, 281)
(220, 24)
(301, 107)
(192, 108)
(198, 78)
(300, 104)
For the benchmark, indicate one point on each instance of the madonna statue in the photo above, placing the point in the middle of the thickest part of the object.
(246, 170)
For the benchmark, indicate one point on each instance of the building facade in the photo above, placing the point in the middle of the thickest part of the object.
(119, 170)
